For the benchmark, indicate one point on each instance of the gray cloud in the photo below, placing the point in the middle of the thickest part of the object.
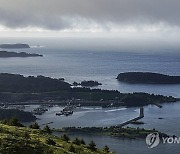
(61, 14)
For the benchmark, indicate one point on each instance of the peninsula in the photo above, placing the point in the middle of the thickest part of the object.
(6, 54)
(14, 46)
(114, 131)
(15, 88)
(147, 78)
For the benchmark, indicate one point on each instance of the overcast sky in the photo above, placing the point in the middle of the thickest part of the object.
(104, 16)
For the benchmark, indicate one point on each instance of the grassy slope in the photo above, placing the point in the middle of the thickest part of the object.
(23, 140)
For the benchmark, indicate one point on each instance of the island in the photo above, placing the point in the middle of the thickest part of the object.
(14, 46)
(147, 78)
(18, 89)
(6, 54)
(87, 83)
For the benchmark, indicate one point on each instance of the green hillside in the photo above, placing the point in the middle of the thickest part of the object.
(23, 140)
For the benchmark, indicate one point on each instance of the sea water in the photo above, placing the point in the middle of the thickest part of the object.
(86, 59)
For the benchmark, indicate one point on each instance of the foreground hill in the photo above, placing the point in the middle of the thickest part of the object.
(148, 78)
(22, 140)
(6, 54)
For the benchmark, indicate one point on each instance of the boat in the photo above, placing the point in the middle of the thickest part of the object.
(66, 113)
(59, 113)
(39, 110)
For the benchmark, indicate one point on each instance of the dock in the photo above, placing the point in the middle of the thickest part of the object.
(141, 115)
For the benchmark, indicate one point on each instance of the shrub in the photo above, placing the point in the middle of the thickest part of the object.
(26, 135)
(65, 137)
(106, 149)
(34, 126)
(76, 141)
(92, 146)
(71, 148)
(47, 129)
(50, 141)
(12, 122)
(82, 142)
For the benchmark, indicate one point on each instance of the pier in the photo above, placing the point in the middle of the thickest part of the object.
(141, 115)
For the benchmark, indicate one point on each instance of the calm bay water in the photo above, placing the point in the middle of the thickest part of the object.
(84, 117)
(79, 59)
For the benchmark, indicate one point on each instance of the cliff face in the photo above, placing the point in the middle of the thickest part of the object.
(148, 78)
(14, 46)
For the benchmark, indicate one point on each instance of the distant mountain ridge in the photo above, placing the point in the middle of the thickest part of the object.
(148, 78)
(14, 46)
